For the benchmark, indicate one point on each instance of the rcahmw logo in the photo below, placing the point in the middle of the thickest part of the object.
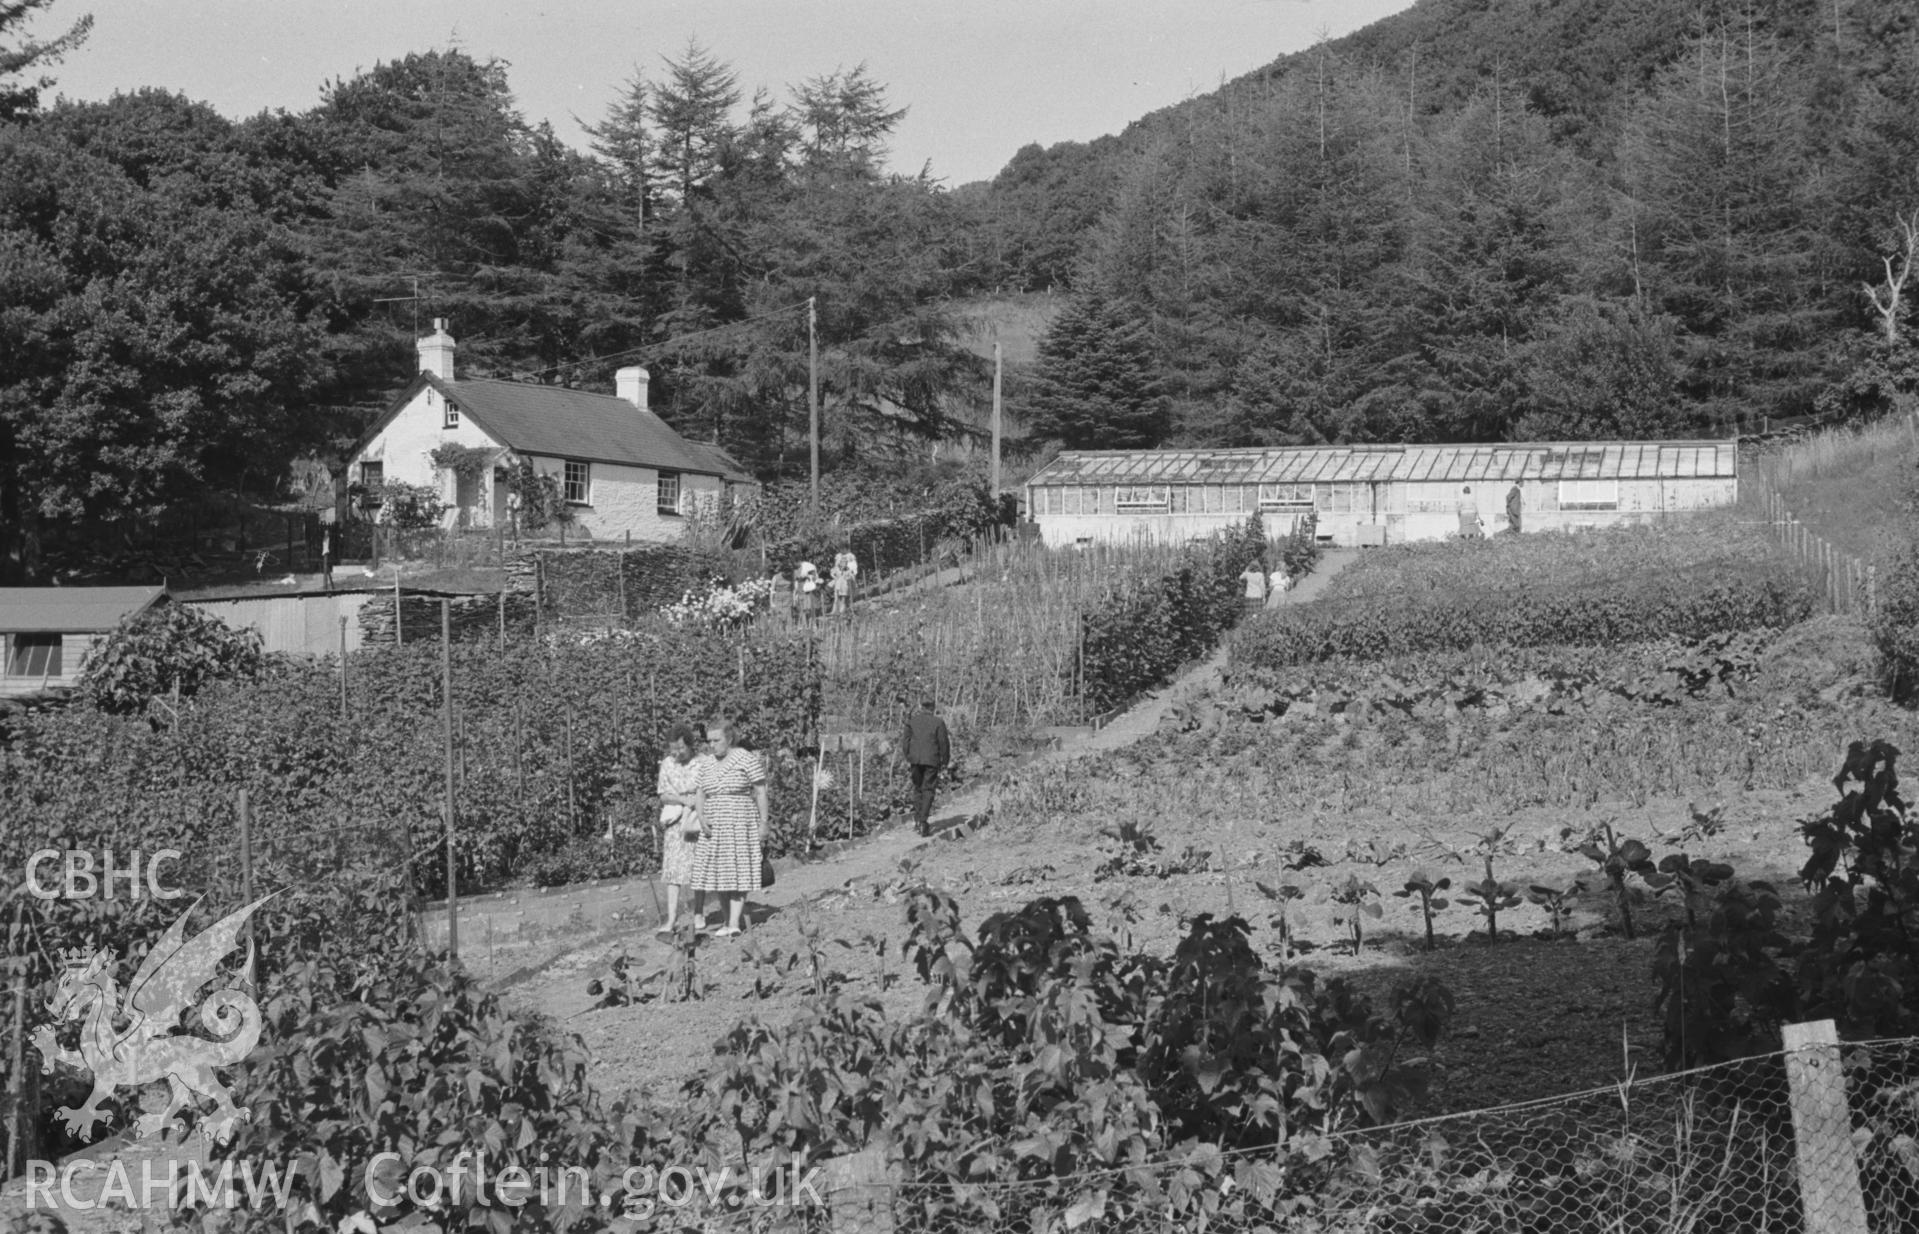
(143, 1051)
(176, 1184)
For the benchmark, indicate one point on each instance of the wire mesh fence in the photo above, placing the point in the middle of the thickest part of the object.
(1819, 1138)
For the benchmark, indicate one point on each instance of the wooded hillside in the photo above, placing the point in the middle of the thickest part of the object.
(1557, 218)
(1563, 218)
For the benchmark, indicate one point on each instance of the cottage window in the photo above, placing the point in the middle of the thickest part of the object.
(579, 483)
(1589, 494)
(34, 655)
(372, 476)
(1141, 497)
(1287, 497)
(669, 496)
(452, 416)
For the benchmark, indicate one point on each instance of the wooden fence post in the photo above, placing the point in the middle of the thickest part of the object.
(1822, 1131)
(399, 635)
(246, 851)
(446, 710)
(860, 1190)
(16, 1057)
(572, 811)
(343, 708)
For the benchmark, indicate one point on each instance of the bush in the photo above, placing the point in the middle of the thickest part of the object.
(1139, 634)
(1895, 624)
(173, 646)
(1730, 977)
(409, 507)
(1046, 1059)
(417, 1061)
(1729, 597)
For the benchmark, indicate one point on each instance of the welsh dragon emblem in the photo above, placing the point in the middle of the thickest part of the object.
(142, 1052)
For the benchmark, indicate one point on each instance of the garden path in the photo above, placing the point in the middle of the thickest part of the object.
(509, 937)
(884, 851)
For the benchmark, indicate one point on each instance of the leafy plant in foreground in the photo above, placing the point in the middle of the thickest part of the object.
(1423, 885)
(1729, 978)
(1283, 895)
(1556, 900)
(1616, 860)
(1489, 897)
(1358, 900)
(1692, 879)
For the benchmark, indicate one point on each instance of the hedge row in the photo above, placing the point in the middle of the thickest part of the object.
(1139, 635)
(1670, 604)
(474, 618)
(896, 543)
(596, 582)
(551, 743)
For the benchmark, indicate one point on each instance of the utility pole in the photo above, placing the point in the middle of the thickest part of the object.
(996, 375)
(813, 400)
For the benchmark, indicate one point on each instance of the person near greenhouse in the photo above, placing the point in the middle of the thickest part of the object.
(1255, 580)
(846, 568)
(1513, 507)
(680, 820)
(1469, 528)
(927, 748)
(779, 600)
(807, 579)
(1277, 585)
(731, 805)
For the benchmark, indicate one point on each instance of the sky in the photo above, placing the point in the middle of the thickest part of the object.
(981, 78)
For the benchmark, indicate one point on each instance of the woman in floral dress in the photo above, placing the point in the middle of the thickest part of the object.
(732, 810)
(679, 819)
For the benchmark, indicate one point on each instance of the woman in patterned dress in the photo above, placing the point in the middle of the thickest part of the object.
(679, 819)
(732, 811)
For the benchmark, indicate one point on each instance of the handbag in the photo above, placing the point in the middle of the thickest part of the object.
(766, 872)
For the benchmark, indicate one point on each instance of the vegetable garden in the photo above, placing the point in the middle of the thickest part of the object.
(1351, 882)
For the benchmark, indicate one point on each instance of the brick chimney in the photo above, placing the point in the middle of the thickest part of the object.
(630, 384)
(436, 351)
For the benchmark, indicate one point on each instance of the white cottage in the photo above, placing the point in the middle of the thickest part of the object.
(620, 467)
(1385, 494)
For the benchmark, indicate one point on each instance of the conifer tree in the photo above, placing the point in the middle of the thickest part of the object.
(1097, 386)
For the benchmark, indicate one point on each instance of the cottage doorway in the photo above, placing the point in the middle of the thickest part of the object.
(466, 495)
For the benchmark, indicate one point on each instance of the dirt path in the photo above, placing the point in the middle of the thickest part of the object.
(511, 936)
(833, 917)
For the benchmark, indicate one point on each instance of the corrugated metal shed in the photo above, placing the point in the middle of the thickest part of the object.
(71, 610)
(1580, 460)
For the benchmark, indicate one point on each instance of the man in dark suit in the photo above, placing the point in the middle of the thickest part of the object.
(924, 744)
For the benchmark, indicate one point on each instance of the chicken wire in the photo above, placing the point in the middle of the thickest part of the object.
(1710, 1151)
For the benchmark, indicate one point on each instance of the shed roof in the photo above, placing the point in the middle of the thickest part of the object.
(1436, 464)
(72, 610)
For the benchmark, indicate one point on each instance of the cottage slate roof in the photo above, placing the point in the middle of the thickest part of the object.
(1577, 460)
(71, 610)
(600, 428)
